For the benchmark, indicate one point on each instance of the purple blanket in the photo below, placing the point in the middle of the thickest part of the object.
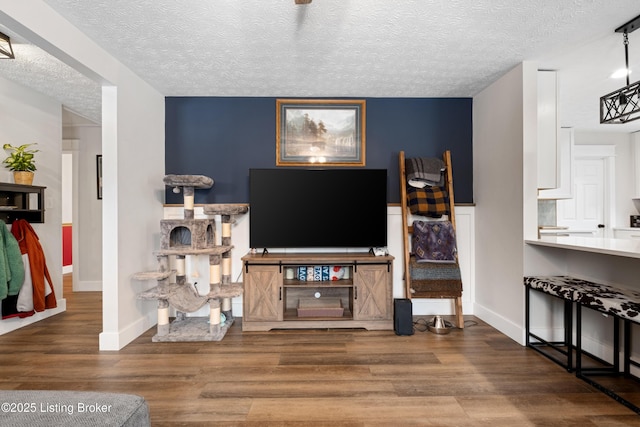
(433, 241)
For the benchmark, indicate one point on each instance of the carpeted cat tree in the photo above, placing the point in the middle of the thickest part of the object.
(191, 237)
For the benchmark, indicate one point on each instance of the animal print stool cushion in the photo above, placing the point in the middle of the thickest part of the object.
(623, 303)
(565, 287)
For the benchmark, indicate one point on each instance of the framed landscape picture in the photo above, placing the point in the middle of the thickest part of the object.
(320, 132)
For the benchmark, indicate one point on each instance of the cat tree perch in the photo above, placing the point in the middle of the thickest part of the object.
(192, 236)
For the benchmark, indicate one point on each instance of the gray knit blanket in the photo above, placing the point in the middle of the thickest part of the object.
(423, 171)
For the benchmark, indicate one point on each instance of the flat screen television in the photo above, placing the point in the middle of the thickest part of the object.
(317, 208)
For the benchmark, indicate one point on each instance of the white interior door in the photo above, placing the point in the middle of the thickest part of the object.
(584, 213)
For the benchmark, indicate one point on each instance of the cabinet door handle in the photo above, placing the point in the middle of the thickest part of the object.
(280, 294)
(355, 292)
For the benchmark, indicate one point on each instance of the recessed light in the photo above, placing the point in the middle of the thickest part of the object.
(622, 72)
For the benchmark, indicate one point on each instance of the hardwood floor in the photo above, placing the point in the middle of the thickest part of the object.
(470, 377)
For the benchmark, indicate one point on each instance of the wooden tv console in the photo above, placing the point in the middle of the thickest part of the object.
(275, 298)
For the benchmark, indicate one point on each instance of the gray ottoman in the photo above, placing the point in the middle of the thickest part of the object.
(71, 408)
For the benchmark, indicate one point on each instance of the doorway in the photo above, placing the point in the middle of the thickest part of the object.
(67, 212)
(590, 211)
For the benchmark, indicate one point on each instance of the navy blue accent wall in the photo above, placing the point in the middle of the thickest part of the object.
(224, 137)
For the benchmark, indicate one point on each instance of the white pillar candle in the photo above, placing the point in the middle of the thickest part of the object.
(289, 273)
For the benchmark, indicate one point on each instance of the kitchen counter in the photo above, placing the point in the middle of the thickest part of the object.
(619, 247)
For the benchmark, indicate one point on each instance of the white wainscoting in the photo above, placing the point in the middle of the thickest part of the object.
(466, 253)
(197, 268)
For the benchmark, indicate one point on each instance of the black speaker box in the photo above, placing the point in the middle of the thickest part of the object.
(402, 316)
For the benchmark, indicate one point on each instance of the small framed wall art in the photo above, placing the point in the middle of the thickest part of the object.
(99, 175)
(320, 132)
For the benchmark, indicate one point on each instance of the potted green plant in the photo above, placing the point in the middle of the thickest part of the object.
(21, 161)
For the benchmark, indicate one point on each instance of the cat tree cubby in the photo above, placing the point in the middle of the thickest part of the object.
(193, 237)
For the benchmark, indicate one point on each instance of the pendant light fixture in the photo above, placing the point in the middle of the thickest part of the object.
(623, 105)
(6, 51)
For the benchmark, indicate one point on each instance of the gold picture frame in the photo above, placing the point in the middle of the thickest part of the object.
(320, 132)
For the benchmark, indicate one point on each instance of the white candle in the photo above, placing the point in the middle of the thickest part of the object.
(289, 273)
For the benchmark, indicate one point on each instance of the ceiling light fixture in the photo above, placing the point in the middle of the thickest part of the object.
(6, 51)
(622, 72)
(623, 105)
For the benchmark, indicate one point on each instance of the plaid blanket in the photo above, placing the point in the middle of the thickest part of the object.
(428, 201)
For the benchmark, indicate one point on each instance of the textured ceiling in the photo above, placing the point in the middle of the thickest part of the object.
(346, 48)
(34, 68)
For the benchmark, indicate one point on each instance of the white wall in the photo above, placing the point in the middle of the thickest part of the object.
(29, 117)
(133, 162)
(87, 260)
(133, 166)
(505, 144)
(504, 153)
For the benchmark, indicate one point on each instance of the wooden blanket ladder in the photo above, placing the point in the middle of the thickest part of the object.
(407, 230)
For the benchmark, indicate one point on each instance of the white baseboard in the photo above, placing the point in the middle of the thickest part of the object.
(87, 286)
(518, 333)
(443, 307)
(549, 334)
(9, 325)
(506, 326)
(117, 340)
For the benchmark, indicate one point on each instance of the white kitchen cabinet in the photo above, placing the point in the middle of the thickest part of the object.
(548, 126)
(564, 171)
(626, 233)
